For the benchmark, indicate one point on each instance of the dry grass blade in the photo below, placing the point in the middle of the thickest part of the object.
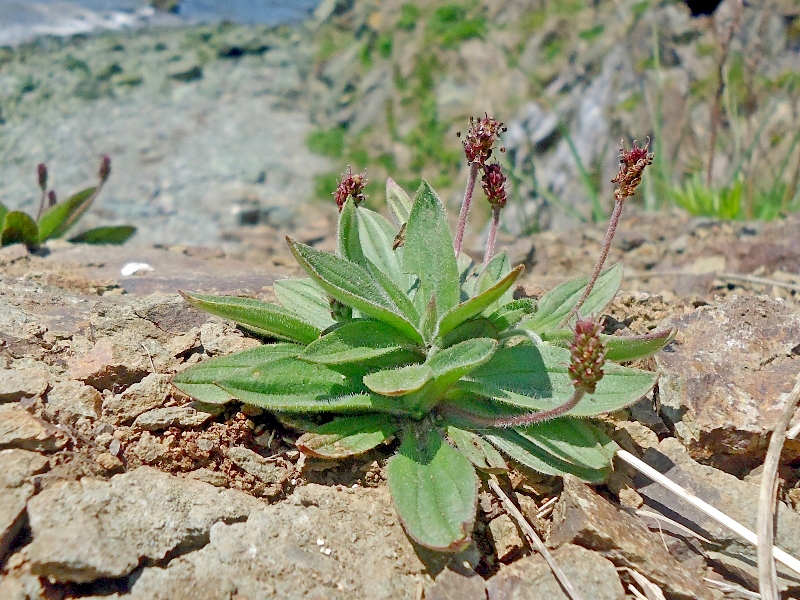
(767, 498)
(720, 517)
(534, 540)
(650, 590)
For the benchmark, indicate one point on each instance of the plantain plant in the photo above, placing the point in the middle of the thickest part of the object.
(398, 336)
(55, 218)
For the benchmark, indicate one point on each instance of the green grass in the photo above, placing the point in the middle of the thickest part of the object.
(328, 142)
(450, 25)
(409, 15)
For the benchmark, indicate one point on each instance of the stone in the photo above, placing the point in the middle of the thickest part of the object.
(457, 584)
(214, 478)
(507, 541)
(16, 469)
(113, 363)
(721, 381)
(530, 578)
(68, 400)
(16, 384)
(173, 416)
(736, 498)
(309, 549)
(13, 253)
(20, 429)
(585, 518)
(148, 449)
(255, 464)
(109, 462)
(222, 338)
(91, 529)
(151, 392)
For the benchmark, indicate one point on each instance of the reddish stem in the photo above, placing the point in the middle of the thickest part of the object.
(465, 205)
(521, 420)
(492, 235)
(612, 229)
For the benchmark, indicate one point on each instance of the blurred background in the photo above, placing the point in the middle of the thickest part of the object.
(229, 122)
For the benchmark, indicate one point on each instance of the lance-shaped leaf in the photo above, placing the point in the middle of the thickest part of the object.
(305, 299)
(556, 304)
(377, 239)
(474, 306)
(434, 490)
(353, 285)
(263, 318)
(19, 228)
(449, 365)
(536, 378)
(358, 341)
(572, 440)
(508, 315)
(522, 450)
(293, 385)
(477, 450)
(398, 201)
(619, 348)
(474, 328)
(199, 381)
(115, 235)
(57, 220)
(347, 436)
(400, 381)
(498, 268)
(429, 250)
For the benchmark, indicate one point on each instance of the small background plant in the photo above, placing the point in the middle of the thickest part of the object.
(399, 336)
(54, 219)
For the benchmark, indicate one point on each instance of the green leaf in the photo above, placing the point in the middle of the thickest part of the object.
(293, 385)
(474, 306)
(114, 235)
(429, 321)
(498, 268)
(474, 328)
(621, 349)
(429, 250)
(305, 299)
(398, 382)
(536, 378)
(435, 491)
(57, 220)
(572, 440)
(263, 318)
(398, 201)
(477, 450)
(359, 340)
(449, 365)
(198, 381)
(524, 451)
(19, 228)
(556, 304)
(377, 238)
(508, 315)
(353, 285)
(347, 436)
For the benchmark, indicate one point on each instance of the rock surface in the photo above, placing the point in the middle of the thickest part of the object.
(16, 469)
(20, 429)
(95, 529)
(721, 381)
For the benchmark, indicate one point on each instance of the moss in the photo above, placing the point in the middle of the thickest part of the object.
(409, 14)
(327, 142)
(384, 45)
(450, 25)
(592, 33)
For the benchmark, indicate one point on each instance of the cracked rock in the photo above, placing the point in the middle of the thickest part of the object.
(721, 381)
(587, 519)
(16, 384)
(530, 578)
(91, 529)
(70, 400)
(175, 416)
(151, 392)
(20, 429)
(16, 469)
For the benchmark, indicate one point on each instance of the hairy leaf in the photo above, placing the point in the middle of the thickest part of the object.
(398, 201)
(508, 315)
(434, 490)
(474, 306)
(477, 450)
(556, 304)
(262, 317)
(358, 341)
(536, 378)
(19, 228)
(429, 250)
(522, 450)
(58, 219)
(398, 382)
(199, 381)
(347, 436)
(115, 235)
(474, 328)
(305, 299)
(353, 285)
(620, 349)
(498, 268)
(572, 440)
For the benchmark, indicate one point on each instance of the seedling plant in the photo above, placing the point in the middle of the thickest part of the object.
(400, 335)
(54, 219)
